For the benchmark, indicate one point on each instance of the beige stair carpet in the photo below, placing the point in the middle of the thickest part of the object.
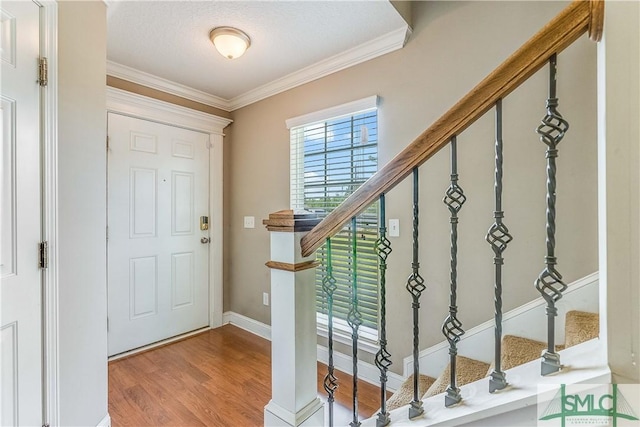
(404, 395)
(580, 326)
(517, 351)
(467, 371)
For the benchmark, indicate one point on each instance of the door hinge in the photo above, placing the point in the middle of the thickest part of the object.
(43, 255)
(107, 324)
(107, 232)
(43, 71)
(107, 142)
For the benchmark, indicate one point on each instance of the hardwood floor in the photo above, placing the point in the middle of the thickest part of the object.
(221, 377)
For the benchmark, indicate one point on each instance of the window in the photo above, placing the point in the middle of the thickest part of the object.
(333, 152)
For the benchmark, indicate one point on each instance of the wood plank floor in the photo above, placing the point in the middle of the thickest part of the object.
(221, 377)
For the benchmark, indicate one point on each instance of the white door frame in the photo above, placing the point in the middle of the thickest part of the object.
(49, 165)
(142, 107)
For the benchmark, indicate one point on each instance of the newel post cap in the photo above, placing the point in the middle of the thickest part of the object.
(289, 220)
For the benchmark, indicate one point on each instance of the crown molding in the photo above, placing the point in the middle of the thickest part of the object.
(377, 47)
(127, 103)
(154, 82)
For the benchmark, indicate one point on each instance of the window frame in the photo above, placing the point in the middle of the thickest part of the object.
(368, 337)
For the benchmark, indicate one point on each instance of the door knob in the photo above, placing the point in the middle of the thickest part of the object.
(205, 240)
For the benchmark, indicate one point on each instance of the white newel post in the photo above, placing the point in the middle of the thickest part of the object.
(294, 396)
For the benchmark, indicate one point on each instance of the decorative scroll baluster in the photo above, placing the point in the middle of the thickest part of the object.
(415, 286)
(383, 358)
(498, 237)
(329, 287)
(452, 327)
(354, 319)
(549, 283)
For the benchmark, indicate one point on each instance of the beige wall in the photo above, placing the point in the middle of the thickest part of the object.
(82, 212)
(453, 46)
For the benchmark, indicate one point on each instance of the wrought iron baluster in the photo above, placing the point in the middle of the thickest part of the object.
(452, 327)
(329, 287)
(415, 286)
(383, 358)
(549, 283)
(498, 237)
(354, 319)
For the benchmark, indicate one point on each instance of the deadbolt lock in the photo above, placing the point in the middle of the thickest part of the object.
(204, 223)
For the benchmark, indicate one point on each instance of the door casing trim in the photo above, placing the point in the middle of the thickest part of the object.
(49, 226)
(142, 107)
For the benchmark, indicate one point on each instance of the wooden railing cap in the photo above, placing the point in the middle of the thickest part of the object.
(288, 220)
(596, 19)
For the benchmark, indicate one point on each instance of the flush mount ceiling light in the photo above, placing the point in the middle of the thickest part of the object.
(230, 42)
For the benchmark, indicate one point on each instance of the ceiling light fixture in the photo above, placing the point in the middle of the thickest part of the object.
(230, 42)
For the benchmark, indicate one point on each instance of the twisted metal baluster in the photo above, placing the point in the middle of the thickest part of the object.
(415, 286)
(498, 237)
(549, 282)
(329, 287)
(452, 327)
(383, 357)
(354, 319)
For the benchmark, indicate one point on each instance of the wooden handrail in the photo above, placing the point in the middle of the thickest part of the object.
(576, 19)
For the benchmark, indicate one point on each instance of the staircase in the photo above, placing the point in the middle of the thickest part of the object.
(501, 376)
(580, 327)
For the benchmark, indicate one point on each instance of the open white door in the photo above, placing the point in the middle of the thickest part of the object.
(20, 217)
(158, 281)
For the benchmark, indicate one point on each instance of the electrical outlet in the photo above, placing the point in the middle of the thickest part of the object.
(265, 298)
(249, 222)
(394, 228)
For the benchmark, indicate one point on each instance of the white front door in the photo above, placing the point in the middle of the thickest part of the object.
(20, 218)
(158, 281)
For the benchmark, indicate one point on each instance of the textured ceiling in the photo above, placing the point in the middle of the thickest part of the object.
(170, 39)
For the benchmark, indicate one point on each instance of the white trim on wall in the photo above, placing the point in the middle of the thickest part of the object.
(347, 109)
(134, 105)
(248, 324)
(384, 44)
(131, 104)
(49, 105)
(366, 371)
(154, 82)
(216, 208)
(105, 422)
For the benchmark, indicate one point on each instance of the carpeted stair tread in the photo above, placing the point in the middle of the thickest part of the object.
(517, 351)
(404, 395)
(467, 370)
(580, 326)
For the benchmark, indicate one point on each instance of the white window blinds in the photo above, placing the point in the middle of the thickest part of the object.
(329, 160)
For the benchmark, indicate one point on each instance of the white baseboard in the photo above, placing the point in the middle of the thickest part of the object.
(105, 422)
(248, 324)
(366, 371)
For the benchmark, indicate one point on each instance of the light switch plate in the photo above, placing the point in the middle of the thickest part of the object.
(249, 222)
(394, 228)
(265, 298)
